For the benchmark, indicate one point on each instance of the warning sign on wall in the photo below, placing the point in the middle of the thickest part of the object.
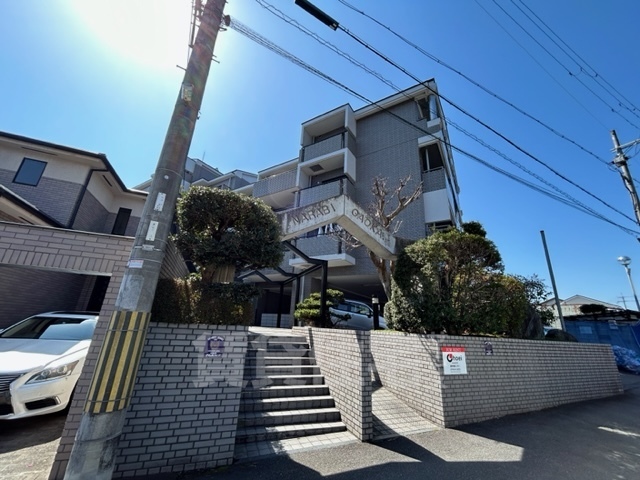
(454, 360)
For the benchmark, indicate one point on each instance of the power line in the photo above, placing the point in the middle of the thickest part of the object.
(254, 36)
(287, 19)
(595, 75)
(480, 86)
(484, 124)
(571, 74)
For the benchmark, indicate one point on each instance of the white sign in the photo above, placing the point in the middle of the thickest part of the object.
(454, 360)
(135, 263)
(151, 232)
(160, 201)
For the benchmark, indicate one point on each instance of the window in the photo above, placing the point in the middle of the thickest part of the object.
(431, 157)
(428, 107)
(30, 172)
(120, 225)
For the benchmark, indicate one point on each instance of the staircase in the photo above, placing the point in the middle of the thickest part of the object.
(284, 396)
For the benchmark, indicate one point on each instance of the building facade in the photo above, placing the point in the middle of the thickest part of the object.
(341, 152)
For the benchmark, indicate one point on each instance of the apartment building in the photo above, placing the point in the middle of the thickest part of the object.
(341, 152)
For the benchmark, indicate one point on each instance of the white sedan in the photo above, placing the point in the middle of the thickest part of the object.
(41, 358)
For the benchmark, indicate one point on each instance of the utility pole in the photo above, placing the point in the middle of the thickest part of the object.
(553, 280)
(93, 454)
(621, 162)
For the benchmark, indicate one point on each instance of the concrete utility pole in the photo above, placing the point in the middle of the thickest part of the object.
(621, 162)
(553, 280)
(93, 453)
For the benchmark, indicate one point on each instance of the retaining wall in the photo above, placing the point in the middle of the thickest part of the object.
(185, 405)
(344, 358)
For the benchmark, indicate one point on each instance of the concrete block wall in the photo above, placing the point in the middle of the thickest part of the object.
(184, 410)
(520, 376)
(344, 358)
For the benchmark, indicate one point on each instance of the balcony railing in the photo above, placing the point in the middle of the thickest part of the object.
(275, 184)
(329, 145)
(340, 186)
(434, 180)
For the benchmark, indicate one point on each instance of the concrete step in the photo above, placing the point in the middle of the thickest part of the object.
(283, 380)
(253, 339)
(285, 403)
(288, 417)
(288, 352)
(285, 391)
(269, 370)
(279, 432)
(278, 360)
(254, 450)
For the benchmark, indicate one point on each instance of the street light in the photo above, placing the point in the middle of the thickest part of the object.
(625, 262)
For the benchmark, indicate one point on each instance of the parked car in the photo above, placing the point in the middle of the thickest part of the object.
(361, 316)
(41, 358)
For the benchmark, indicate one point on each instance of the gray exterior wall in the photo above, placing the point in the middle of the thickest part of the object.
(34, 290)
(56, 198)
(92, 216)
(389, 148)
(184, 410)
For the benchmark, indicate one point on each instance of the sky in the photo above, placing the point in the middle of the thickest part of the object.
(104, 76)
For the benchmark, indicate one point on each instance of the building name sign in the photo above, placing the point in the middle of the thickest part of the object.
(314, 213)
(367, 223)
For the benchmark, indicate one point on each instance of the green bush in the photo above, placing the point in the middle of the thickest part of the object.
(191, 301)
(309, 314)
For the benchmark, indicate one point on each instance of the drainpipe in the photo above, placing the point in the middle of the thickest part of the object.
(76, 207)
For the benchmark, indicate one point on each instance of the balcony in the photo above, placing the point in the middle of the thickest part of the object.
(340, 186)
(277, 190)
(329, 145)
(433, 180)
(322, 247)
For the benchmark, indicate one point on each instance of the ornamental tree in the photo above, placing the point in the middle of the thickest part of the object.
(221, 232)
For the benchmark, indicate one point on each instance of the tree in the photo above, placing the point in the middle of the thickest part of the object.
(454, 282)
(221, 231)
(386, 206)
(443, 283)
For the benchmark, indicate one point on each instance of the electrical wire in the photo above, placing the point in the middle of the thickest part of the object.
(434, 58)
(571, 74)
(294, 23)
(593, 74)
(257, 38)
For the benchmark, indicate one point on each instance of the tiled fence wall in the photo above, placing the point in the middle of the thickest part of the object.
(504, 376)
(185, 404)
(344, 358)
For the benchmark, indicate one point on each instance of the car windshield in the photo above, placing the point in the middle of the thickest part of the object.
(52, 328)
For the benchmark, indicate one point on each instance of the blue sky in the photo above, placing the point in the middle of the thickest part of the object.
(102, 76)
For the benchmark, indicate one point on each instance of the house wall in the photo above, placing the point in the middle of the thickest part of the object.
(184, 409)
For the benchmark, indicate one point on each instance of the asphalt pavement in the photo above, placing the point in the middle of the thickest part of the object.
(597, 439)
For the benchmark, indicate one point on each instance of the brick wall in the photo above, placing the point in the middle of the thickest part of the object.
(520, 376)
(344, 358)
(410, 367)
(184, 410)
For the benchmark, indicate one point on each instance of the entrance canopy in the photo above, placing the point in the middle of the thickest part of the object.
(346, 213)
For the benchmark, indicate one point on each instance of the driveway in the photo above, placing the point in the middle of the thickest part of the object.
(28, 446)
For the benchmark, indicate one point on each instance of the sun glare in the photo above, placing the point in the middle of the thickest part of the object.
(147, 33)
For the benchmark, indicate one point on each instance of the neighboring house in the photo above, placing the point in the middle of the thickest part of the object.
(66, 227)
(342, 151)
(613, 324)
(571, 306)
